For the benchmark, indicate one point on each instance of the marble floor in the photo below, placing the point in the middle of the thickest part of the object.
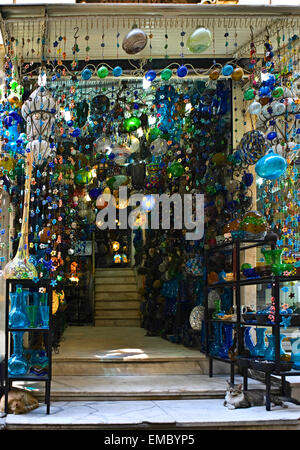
(118, 343)
(162, 414)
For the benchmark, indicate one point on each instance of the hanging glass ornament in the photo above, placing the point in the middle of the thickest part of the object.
(86, 74)
(83, 176)
(249, 94)
(182, 71)
(102, 72)
(255, 108)
(131, 124)
(199, 40)
(166, 74)
(227, 70)
(134, 41)
(252, 146)
(158, 147)
(271, 166)
(117, 71)
(214, 74)
(150, 75)
(176, 170)
(237, 74)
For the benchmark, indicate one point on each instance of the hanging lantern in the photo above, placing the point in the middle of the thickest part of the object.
(134, 41)
(199, 41)
(39, 112)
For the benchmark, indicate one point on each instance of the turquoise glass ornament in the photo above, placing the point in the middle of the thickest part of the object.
(117, 71)
(150, 75)
(17, 363)
(227, 70)
(249, 341)
(44, 314)
(271, 166)
(182, 71)
(86, 74)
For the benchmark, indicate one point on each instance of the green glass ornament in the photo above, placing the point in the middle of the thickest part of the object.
(131, 124)
(176, 169)
(249, 94)
(83, 176)
(278, 92)
(102, 72)
(166, 74)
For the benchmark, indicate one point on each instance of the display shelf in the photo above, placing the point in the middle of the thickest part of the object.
(47, 333)
(275, 327)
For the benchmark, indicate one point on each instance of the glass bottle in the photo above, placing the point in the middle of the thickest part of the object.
(20, 267)
(218, 339)
(17, 318)
(295, 356)
(249, 341)
(270, 352)
(260, 347)
(228, 328)
(17, 363)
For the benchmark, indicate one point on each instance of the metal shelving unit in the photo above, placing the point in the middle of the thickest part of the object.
(237, 246)
(11, 287)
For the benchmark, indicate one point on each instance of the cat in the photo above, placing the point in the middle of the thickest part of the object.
(236, 398)
(19, 402)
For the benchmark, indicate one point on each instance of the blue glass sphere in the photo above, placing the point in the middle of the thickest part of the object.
(150, 75)
(271, 166)
(86, 74)
(117, 71)
(264, 91)
(269, 79)
(227, 70)
(182, 71)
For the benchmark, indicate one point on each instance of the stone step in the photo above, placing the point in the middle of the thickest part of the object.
(130, 279)
(114, 272)
(111, 364)
(120, 305)
(147, 387)
(117, 322)
(119, 296)
(117, 287)
(117, 314)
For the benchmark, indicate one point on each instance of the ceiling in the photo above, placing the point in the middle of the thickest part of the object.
(103, 22)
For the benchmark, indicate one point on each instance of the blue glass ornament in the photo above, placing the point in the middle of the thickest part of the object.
(272, 135)
(228, 340)
(227, 70)
(271, 166)
(260, 347)
(264, 91)
(248, 179)
(269, 79)
(86, 74)
(150, 75)
(117, 71)
(182, 71)
(270, 352)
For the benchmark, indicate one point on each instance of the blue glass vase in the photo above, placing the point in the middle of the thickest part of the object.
(17, 363)
(295, 356)
(16, 318)
(260, 347)
(270, 352)
(249, 341)
(218, 339)
(223, 352)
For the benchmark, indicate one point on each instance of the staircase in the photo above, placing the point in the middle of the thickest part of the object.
(117, 301)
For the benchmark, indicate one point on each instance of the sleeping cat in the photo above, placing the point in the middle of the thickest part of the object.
(19, 402)
(236, 397)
